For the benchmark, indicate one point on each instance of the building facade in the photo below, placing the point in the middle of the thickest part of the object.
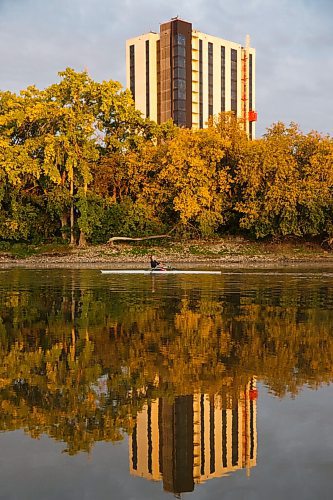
(188, 76)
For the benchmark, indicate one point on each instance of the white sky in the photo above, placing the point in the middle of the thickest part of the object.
(293, 39)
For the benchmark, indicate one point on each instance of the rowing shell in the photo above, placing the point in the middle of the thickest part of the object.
(157, 271)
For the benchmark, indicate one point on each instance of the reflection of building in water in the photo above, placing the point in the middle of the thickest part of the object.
(193, 439)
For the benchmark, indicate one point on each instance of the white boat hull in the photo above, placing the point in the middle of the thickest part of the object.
(143, 271)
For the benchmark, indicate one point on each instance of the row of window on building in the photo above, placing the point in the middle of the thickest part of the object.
(179, 80)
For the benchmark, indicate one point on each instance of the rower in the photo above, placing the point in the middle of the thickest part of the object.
(154, 264)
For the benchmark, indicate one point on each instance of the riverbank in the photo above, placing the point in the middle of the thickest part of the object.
(229, 250)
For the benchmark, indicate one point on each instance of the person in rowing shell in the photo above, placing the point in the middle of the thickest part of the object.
(155, 265)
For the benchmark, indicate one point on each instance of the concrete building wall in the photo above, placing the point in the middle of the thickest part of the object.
(140, 53)
(217, 44)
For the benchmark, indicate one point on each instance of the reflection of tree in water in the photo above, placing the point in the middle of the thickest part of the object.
(80, 363)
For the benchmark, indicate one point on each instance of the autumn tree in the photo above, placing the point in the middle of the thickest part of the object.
(285, 183)
(183, 179)
(24, 121)
(95, 117)
(50, 141)
(78, 160)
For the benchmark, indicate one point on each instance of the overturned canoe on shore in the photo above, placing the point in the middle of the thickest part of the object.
(155, 271)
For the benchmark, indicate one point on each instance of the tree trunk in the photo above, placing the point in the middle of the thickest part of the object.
(124, 238)
(72, 241)
(82, 240)
(64, 223)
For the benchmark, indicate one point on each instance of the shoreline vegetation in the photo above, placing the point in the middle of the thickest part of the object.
(80, 165)
(231, 250)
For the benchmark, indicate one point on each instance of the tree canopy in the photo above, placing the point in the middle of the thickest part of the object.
(78, 162)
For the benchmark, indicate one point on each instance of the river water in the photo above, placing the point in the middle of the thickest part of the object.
(151, 387)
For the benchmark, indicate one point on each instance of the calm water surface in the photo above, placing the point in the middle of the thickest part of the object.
(149, 387)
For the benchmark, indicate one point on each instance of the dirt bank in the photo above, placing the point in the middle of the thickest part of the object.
(227, 251)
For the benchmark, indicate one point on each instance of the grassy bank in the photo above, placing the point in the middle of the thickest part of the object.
(229, 249)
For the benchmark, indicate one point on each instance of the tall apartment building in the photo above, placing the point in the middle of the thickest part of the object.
(189, 76)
